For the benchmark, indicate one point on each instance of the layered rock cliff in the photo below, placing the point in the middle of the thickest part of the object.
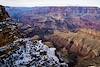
(58, 17)
(83, 43)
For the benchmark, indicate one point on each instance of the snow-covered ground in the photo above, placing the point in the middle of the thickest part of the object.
(32, 54)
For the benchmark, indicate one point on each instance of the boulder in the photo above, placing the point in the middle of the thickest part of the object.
(49, 44)
(35, 37)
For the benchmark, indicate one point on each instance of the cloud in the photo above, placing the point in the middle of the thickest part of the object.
(32, 3)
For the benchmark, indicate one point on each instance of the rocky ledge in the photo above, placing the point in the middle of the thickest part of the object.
(32, 54)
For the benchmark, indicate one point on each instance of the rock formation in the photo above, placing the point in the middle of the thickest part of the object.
(3, 13)
(69, 18)
(32, 54)
(69, 34)
(8, 28)
(83, 44)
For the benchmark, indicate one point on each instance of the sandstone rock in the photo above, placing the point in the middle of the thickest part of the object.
(49, 44)
(91, 66)
(84, 44)
(35, 37)
(89, 62)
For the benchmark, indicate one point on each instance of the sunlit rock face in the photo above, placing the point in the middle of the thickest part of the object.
(32, 55)
(84, 43)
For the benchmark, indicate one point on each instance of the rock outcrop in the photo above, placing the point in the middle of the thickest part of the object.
(3, 13)
(32, 55)
(85, 44)
(8, 28)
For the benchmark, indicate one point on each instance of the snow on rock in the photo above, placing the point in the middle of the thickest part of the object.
(32, 54)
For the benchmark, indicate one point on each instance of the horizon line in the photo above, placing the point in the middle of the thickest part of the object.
(48, 3)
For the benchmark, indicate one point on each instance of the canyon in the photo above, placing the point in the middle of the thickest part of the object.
(73, 31)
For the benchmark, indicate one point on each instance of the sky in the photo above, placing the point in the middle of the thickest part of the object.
(34, 3)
